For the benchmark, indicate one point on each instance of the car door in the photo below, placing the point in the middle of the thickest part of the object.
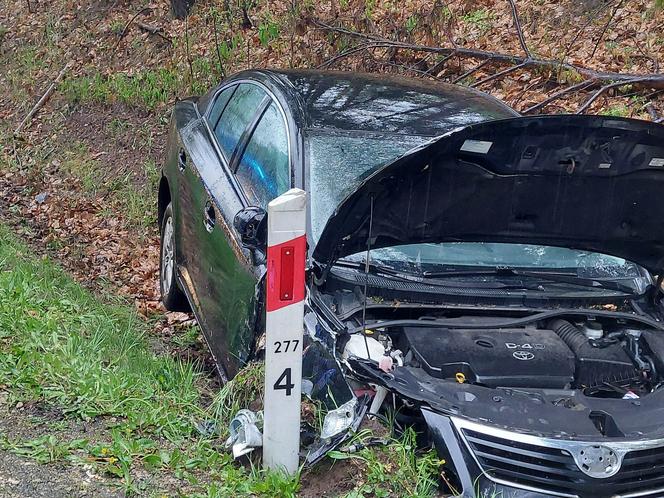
(262, 172)
(220, 274)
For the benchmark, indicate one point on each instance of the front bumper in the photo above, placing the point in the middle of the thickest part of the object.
(490, 463)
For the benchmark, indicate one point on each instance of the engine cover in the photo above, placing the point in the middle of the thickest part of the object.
(526, 357)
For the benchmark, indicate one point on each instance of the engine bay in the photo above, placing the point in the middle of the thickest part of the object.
(605, 359)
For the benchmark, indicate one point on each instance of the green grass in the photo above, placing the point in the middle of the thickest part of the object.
(134, 198)
(147, 88)
(480, 18)
(61, 346)
(617, 110)
(396, 469)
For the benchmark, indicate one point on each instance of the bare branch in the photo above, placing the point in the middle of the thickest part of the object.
(44, 98)
(606, 26)
(500, 74)
(603, 90)
(437, 68)
(471, 71)
(519, 29)
(155, 30)
(651, 80)
(124, 30)
(565, 91)
(352, 51)
(578, 34)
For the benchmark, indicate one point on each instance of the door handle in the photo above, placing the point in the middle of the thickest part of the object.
(182, 160)
(209, 216)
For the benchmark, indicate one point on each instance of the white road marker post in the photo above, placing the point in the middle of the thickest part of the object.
(286, 257)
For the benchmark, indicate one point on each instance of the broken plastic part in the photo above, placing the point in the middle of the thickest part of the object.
(358, 345)
(386, 363)
(244, 432)
(377, 402)
(338, 420)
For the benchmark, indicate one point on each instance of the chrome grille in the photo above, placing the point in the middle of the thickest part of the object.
(551, 469)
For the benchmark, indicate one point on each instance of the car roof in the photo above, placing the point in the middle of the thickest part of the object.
(378, 103)
(384, 103)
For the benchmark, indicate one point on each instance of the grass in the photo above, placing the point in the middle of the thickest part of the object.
(89, 360)
(61, 346)
(133, 198)
(480, 18)
(396, 469)
(147, 88)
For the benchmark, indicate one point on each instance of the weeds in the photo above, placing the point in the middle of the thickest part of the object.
(395, 469)
(61, 346)
(245, 390)
(147, 88)
(480, 18)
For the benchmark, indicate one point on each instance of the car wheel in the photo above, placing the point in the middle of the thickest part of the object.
(171, 294)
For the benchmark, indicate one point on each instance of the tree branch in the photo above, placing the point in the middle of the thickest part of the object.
(651, 80)
(606, 26)
(565, 91)
(603, 90)
(519, 30)
(471, 71)
(44, 98)
(500, 74)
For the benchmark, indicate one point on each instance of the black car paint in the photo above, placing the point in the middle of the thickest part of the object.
(227, 295)
(220, 277)
(538, 188)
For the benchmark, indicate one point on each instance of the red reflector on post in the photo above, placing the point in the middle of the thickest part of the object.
(285, 273)
(286, 277)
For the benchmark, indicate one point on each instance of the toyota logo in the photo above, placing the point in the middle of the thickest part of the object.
(523, 355)
(598, 461)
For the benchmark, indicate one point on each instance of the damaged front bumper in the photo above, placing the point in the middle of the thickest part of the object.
(474, 430)
(488, 461)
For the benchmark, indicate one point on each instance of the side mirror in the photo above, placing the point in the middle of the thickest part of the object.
(251, 224)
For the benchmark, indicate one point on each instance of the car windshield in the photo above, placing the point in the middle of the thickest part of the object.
(338, 163)
(419, 258)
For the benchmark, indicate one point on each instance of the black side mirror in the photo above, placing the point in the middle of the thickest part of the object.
(251, 224)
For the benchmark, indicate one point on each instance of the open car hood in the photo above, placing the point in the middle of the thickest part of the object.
(593, 183)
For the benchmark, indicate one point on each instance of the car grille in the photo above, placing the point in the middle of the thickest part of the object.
(553, 470)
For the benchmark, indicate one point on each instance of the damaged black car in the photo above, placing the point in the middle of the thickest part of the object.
(492, 280)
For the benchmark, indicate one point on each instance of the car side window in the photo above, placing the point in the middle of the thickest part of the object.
(239, 112)
(219, 105)
(264, 171)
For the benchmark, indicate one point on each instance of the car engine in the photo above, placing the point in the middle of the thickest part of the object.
(601, 359)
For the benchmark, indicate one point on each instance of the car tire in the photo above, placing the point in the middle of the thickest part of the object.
(171, 294)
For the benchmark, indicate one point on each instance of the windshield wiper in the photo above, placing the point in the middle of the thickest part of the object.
(417, 277)
(567, 278)
(373, 268)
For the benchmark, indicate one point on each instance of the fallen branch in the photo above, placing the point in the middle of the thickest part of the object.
(471, 71)
(606, 26)
(438, 66)
(519, 30)
(352, 51)
(44, 98)
(126, 27)
(652, 80)
(565, 91)
(500, 74)
(591, 18)
(603, 90)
